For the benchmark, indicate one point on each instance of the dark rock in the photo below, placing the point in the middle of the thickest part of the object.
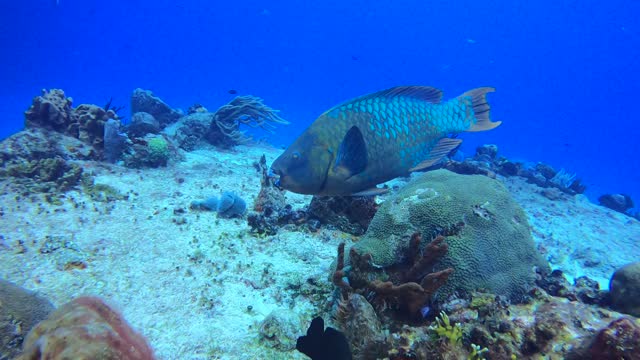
(143, 123)
(196, 108)
(508, 168)
(546, 170)
(617, 202)
(584, 289)
(470, 167)
(625, 289)
(351, 214)
(555, 284)
(588, 291)
(488, 150)
(619, 340)
(192, 129)
(145, 101)
(359, 321)
(533, 177)
(20, 311)
(270, 220)
(270, 198)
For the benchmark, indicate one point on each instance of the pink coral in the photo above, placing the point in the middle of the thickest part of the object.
(86, 328)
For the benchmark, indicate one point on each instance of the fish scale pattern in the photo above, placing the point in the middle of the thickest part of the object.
(403, 128)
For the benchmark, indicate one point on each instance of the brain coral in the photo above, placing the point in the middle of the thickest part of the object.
(490, 245)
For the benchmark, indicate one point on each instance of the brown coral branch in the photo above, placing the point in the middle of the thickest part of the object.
(410, 295)
(433, 281)
(433, 251)
(339, 274)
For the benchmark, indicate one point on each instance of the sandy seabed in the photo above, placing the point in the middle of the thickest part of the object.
(197, 286)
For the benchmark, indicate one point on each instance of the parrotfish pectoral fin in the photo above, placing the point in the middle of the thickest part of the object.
(481, 109)
(352, 154)
(442, 148)
(371, 192)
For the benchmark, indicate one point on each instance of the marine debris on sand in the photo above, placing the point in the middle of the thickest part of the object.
(123, 246)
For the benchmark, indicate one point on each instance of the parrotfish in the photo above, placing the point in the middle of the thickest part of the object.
(374, 138)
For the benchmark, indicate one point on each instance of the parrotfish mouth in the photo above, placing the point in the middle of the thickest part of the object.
(275, 179)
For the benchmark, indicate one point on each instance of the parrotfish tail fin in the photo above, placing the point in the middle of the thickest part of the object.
(481, 109)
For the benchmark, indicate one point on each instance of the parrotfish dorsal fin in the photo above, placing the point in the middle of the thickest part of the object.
(425, 93)
(442, 148)
(352, 154)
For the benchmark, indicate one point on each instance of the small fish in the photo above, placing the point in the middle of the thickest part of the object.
(374, 138)
(232, 91)
(321, 344)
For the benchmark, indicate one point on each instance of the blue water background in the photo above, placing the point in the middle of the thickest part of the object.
(567, 73)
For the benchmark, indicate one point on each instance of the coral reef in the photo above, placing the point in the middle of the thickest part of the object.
(351, 214)
(625, 289)
(490, 244)
(145, 101)
(86, 328)
(487, 162)
(20, 311)
(53, 111)
(225, 131)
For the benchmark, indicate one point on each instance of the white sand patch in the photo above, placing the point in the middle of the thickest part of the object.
(196, 286)
(196, 290)
(577, 236)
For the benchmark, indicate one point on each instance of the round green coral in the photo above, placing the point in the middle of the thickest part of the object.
(158, 150)
(490, 244)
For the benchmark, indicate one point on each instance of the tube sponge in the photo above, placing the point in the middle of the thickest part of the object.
(86, 328)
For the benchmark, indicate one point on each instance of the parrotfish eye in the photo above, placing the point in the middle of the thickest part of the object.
(295, 155)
